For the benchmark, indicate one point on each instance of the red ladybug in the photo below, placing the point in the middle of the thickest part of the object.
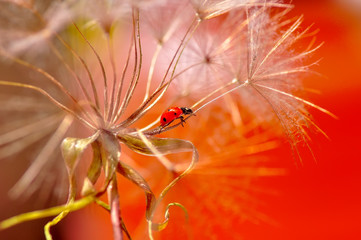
(174, 113)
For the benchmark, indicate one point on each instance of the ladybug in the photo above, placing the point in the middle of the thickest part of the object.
(174, 113)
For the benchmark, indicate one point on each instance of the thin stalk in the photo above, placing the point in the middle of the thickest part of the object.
(102, 67)
(82, 87)
(116, 220)
(183, 45)
(151, 69)
(184, 70)
(150, 125)
(137, 69)
(126, 98)
(112, 62)
(115, 116)
(76, 205)
(143, 109)
(46, 94)
(136, 115)
(216, 98)
(180, 47)
(163, 86)
(160, 130)
(82, 61)
(140, 58)
(212, 93)
(42, 72)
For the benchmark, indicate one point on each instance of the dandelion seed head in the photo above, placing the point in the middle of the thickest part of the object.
(163, 18)
(30, 28)
(203, 65)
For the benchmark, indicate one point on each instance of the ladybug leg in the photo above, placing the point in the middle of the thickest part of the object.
(182, 120)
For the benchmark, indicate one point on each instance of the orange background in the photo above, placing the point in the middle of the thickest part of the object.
(323, 200)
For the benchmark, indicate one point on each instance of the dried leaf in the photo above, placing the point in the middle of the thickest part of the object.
(137, 179)
(72, 148)
(162, 145)
(93, 171)
(153, 146)
(110, 154)
(163, 225)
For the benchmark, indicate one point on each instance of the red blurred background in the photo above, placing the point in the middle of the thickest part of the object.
(323, 200)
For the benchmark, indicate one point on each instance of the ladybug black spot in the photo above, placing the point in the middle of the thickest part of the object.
(164, 119)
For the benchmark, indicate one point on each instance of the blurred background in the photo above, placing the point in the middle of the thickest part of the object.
(320, 200)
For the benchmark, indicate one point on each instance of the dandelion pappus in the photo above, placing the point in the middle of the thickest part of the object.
(174, 113)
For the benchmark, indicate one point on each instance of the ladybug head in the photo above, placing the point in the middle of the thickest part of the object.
(186, 111)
